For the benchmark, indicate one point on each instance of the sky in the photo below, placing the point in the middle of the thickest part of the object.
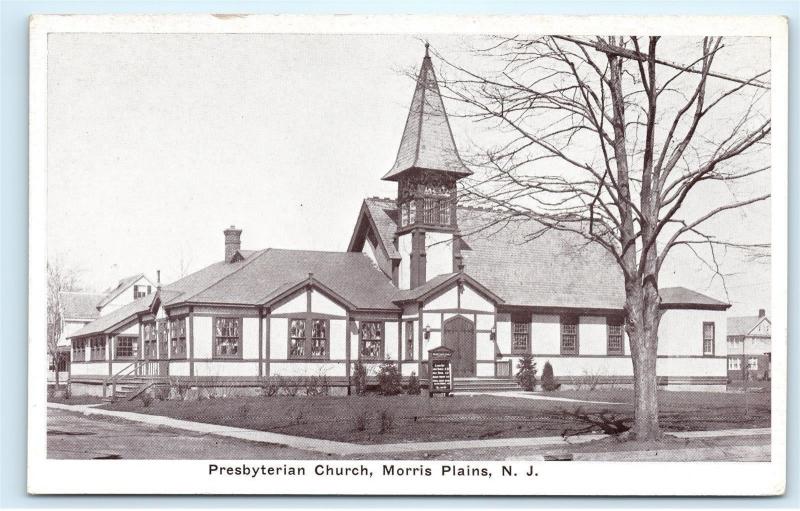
(158, 142)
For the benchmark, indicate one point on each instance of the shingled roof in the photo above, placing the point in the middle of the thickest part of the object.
(676, 297)
(115, 317)
(427, 141)
(79, 306)
(350, 275)
(743, 325)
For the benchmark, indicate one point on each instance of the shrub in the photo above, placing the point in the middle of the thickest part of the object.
(360, 421)
(313, 386)
(269, 388)
(67, 393)
(526, 374)
(360, 378)
(413, 385)
(146, 398)
(389, 379)
(548, 379)
(162, 392)
(386, 418)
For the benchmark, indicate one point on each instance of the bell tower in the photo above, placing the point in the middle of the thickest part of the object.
(426, 171)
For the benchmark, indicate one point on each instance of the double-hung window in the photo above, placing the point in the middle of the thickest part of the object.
(177, 334)
(227, 337)
(752, 364)
(615, 342)
(309, 338)
(520, 334)
(126, 347)
(371, 340)
(150, 341)
(97, 348)
(409, 340)
(569, 335)
(708, 339)
(734, 364)
(78, 350)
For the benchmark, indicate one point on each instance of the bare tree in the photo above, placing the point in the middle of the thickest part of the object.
(606, 138)
(59, 280)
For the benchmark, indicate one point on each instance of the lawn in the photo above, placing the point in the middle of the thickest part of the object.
(380, 419)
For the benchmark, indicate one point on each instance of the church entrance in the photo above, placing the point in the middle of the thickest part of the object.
(459, 336)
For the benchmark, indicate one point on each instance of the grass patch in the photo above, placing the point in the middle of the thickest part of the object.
(75, 400)
(364, 419)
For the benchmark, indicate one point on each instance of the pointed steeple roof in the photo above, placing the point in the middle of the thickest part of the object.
(427, 141)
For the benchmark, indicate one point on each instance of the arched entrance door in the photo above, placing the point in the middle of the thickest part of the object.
(459, 336)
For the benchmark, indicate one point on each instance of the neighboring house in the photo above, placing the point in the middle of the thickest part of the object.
(750, 347)
(80, 308)
(420, 272)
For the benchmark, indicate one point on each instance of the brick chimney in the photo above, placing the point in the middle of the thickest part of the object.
(233, 242)
(762, 313)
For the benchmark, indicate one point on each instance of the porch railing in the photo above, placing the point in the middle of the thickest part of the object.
(134, 369)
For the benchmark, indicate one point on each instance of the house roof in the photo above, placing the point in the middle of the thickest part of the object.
(120, 288)
(743, 325)
(677, 297)
(79, 306)
(443, 281)
(427, 141)
(110, 320)
(350, 275)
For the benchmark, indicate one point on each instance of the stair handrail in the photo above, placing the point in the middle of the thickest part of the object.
(130, 368)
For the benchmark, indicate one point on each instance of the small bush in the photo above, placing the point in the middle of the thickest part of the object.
(291, 389)
(162, 393)
(269, 388)
(359, 378)
(67, 393)
(548, 379)
(146, 398)
(386, 419)
(360, 421)
(389, 379)
(526, 373)
(413, 388)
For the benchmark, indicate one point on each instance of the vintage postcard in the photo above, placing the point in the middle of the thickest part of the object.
(408, 255)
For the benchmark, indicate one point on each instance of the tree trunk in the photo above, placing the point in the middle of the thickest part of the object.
(643, 319)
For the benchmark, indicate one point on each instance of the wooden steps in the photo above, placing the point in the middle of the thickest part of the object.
(476, 384)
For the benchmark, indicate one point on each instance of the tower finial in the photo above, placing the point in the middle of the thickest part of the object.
(427, 45)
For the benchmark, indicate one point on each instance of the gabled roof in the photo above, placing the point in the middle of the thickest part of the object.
(441, 282)
(107, 322)
(349, 275)
(380, 215)
(79, 306)
(427, 141)
(743, 325)
(681, 297)
(122, 285)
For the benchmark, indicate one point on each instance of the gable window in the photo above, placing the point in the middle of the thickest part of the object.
(569, 335)
(520, 334)
(309, 338)
(319, 338)
(371, 342)
(150, 342)
(78, 350)
(752, 364)
(126, 347)
(138, 292)
(734, 364)
(297, 338)
(615, 342)
(409, 340)
(97, 348)
(708, 339)
(177, 344)
(227, 337)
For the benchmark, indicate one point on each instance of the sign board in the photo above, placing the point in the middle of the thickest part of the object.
(440, 378)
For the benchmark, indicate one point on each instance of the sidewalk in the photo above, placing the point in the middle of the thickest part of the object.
(347, 449)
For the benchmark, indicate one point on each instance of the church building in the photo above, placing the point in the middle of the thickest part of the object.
(421, 271)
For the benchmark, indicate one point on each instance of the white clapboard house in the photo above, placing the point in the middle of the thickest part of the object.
(418, 273)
